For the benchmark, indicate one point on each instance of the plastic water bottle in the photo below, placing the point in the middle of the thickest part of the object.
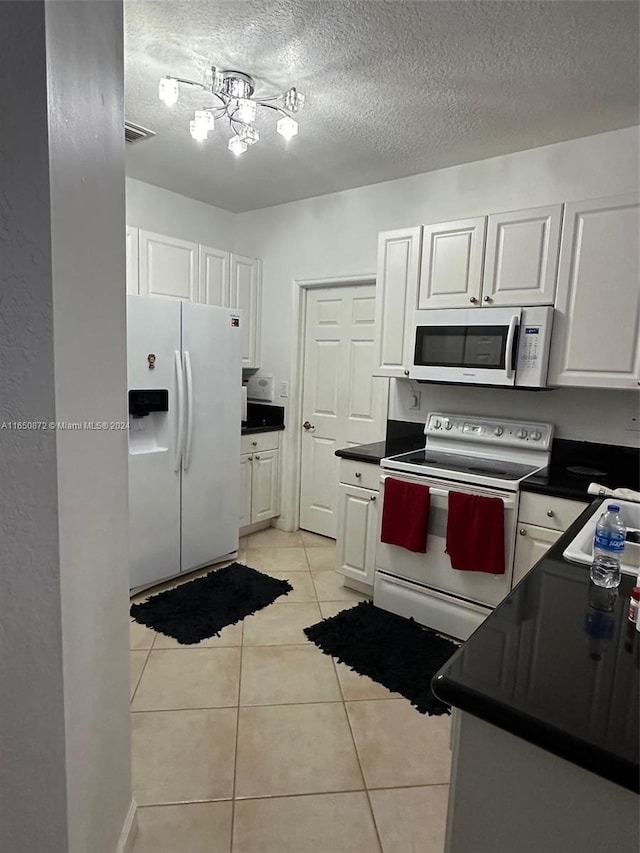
(608, 546)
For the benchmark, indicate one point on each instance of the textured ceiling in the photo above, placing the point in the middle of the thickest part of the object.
(393, 88)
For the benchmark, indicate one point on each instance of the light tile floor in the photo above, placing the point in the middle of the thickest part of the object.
(256, 742)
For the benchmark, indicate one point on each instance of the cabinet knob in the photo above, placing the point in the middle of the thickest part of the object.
(550, 513)
(358, 474)
(373, 497)
(250, 458)
(488, 299)
(406, 373)
(254, 443)
(522, 531)
(472, 299)
(257, 457)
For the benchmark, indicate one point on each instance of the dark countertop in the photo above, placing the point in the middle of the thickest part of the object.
(557, 664)
(248, 430)
(401, 437)
(262, 418)
(606, 464)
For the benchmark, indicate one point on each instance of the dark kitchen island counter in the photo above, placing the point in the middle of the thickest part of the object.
(545, 733)
(564, 674)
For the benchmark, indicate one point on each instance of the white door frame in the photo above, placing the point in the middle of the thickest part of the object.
(301, 287)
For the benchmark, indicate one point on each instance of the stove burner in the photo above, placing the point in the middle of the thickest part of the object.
(583, 471)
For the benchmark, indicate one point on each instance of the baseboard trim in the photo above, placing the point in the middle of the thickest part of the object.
(129, 830)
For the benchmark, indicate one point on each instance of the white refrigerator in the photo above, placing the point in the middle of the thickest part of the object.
(184, 381)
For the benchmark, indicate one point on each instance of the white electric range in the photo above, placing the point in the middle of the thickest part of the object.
(473, 455)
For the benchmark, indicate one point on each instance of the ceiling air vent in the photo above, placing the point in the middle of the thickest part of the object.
(136, 133)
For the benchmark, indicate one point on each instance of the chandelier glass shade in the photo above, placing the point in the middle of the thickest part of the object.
(235, 105)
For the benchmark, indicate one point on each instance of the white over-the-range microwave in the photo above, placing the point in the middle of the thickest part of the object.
(483, 346)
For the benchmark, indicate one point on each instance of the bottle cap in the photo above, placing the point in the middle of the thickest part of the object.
(613, 508)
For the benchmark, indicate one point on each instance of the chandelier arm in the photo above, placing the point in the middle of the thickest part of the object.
(275, 109)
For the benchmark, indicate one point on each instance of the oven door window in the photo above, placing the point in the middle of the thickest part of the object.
(461, 346)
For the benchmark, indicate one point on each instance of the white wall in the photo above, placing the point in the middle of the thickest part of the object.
(166, 212)
(584, 414)
(336, 235)
(32, 738)
(65, 782)
(89, 302)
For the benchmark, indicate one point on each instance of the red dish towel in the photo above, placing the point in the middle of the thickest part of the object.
(475, 533)
(405, 515)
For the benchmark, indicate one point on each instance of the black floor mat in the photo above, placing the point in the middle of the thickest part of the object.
(396, 652)
(201, 608)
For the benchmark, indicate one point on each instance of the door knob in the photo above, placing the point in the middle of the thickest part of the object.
(307, 425)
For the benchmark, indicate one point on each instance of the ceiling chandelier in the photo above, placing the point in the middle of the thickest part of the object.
(236, 103)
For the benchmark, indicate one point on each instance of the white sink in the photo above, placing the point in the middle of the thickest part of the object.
(580, 549)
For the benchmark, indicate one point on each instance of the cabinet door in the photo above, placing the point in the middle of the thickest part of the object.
(131, 243)
(396, 299)
(532, 543)
(521, 258)
(264, 485)
(245, 490)
(596, 328)
(451, 267)
(213, 274)
(246, 292)
(168, 267)
(357, 533)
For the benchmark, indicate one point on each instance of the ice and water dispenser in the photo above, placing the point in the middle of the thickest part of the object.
(148, 411)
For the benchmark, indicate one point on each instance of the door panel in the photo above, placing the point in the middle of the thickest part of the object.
(168, 267)
(214, 277)
(245, 490)
(343, 402)
(210, 483)
(598, 296)
(357, 533)
(133, 284)
(245, 295)
(522, 256)
(532, 544)
(451, 268)
(264, 487)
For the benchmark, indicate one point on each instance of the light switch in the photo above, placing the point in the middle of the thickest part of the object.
(284, 389)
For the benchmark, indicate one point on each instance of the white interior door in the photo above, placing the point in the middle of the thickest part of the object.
(210, 477)
(342, 402)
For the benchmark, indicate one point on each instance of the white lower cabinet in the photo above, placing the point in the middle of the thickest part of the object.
(357, 522)
(259, 478)
(542, 520)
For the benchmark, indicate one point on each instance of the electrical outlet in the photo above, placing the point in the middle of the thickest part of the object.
(414, 401)
(633, 422)
(284, 389)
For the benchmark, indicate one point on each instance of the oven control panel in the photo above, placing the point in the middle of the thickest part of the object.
(491, 431)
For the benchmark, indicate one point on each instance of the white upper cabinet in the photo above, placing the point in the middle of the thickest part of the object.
(521, 257)
(596, 334)
(246, 294)
(396, 299)
(168, 267)
(214, 277)
(131, 244)
(451, 268)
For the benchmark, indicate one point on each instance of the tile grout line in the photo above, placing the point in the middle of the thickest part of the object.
(355, 748)
(235, 752)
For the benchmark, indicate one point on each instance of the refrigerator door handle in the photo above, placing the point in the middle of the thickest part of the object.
(189, 376)
(180, 401)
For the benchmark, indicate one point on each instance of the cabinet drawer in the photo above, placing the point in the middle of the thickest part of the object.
(363, 474)
(546, 511)
(254, 442)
